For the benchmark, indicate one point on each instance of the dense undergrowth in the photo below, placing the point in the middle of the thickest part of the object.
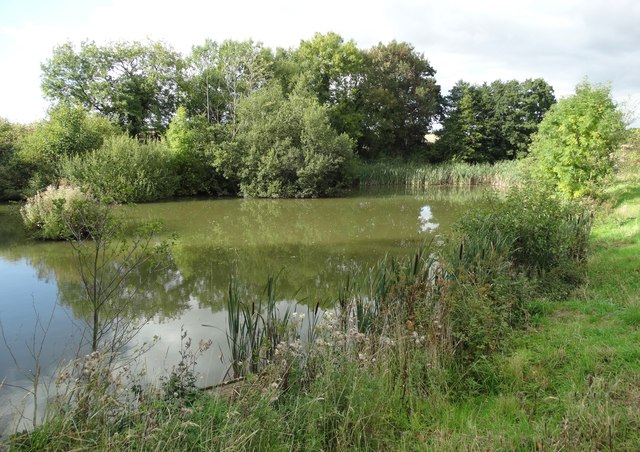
(510, 336)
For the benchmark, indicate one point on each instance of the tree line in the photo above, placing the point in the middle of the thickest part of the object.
(140, 121)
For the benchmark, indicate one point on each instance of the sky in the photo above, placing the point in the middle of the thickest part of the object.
(562, 41)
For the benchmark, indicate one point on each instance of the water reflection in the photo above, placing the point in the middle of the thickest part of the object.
(425, 220)
(309, 243)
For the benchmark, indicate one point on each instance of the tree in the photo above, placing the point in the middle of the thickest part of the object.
(220, 75)
(518, 109)
(399, 99)
(286, 147)
(69, 131)
(134, 85)
(332, 69)
(189, 139)
(464, 130)
(203, 82)
(14, 174)
(573, 149)
(490, 122)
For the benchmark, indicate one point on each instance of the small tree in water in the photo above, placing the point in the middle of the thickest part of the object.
(108, 259)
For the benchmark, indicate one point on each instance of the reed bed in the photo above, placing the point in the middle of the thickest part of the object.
(503, 174)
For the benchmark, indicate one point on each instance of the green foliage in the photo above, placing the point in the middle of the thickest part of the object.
(68, 132)
(398, 98)
(332, 69)
(189, 140)
(502, 256)
(331, 63)
(573, 149)
(124, 170)
(221, 74)
(569, 381)
(535, 230)
(14, 173)
(55, 213)
(286, 147)
(486, 123)
(134, 85)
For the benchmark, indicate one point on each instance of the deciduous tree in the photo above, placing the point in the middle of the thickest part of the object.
(332, 69)
(220, 75)
(573, 149)
(399, 99)
(135, 85)
(14, 174)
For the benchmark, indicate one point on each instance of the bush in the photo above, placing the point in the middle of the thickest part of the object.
(124, 170)
(504, 254)
(573, 149)
(537, 231)
(286, 148)
(69, 131)
(58, 212)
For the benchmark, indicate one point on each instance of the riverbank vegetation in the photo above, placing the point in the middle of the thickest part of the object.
(503, 174)
(510, 336)
(489, 342)
(238, 118)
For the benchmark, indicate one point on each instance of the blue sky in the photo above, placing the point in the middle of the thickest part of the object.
(563, 41)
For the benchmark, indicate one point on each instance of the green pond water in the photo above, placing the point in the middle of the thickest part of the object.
(309, 243)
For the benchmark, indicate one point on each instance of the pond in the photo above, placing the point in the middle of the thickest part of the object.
(310, 244)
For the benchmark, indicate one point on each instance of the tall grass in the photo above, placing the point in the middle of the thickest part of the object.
(502, 174)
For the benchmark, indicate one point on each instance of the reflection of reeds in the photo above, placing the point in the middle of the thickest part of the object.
(501, 174)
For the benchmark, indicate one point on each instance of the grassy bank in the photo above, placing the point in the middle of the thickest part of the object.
(571, 381)
(380, 174)
(423, 356)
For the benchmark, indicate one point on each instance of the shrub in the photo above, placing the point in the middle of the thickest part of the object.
(124, 170)
(286, 147)
(58, 211)
(573, 149)
(504, 254)
(535, 229)
(69, 131)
